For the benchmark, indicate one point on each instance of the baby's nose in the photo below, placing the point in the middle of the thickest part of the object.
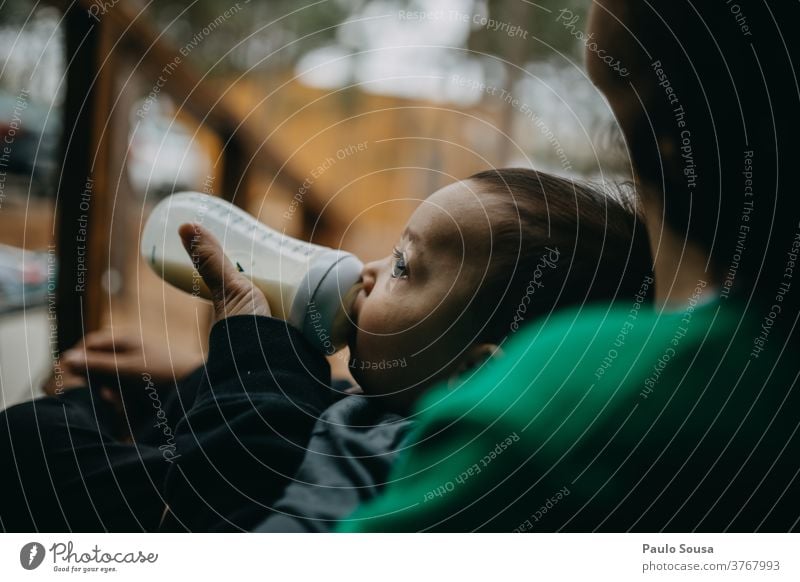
(368, 276)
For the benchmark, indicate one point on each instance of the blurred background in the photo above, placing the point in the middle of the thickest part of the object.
(329, 120)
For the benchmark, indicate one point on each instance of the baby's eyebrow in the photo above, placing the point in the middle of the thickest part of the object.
(419, 253)
(410, 234)
(432, 245)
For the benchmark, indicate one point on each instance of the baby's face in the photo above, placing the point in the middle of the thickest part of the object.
(411, 315)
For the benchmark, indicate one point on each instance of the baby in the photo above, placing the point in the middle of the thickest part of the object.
(476, 260)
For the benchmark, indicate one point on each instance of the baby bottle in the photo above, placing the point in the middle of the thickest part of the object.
(309, 286)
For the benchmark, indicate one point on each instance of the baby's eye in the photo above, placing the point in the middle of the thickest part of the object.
(399, 265)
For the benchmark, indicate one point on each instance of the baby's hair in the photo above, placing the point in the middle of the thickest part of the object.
(556, 242)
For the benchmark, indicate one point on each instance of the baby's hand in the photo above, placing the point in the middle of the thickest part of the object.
(232, 293)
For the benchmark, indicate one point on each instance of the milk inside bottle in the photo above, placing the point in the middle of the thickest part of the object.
(310, 286)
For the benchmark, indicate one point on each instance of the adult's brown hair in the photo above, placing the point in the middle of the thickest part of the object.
(709, 110)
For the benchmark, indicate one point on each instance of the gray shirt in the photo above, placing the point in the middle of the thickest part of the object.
(351, 451)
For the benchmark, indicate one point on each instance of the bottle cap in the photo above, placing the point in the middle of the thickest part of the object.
(322, 295)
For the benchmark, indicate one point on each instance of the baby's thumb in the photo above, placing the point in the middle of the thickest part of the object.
(208, 258)
(231, 292)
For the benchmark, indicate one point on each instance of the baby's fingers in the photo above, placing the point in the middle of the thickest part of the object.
(231, 292)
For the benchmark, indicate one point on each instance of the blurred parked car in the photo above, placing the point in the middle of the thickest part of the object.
(31, 132)
(24, 277)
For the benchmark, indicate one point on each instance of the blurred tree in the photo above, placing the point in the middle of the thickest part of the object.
(539, 38)
(254, 31)
(15, 12)
(538, 19)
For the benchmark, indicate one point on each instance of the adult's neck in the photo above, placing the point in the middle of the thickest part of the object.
(680, 266)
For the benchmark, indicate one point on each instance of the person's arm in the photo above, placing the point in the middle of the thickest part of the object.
(450, 479)
(245, 433)
(490, 454)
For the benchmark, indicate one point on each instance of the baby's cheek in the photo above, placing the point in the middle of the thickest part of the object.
(390, 331)
(384, 318)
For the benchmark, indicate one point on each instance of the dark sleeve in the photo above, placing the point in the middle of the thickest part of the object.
(246, 432)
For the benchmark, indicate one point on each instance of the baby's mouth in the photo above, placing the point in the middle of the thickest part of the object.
(356, 298)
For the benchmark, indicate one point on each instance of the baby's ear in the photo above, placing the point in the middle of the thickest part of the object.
(474, 357)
